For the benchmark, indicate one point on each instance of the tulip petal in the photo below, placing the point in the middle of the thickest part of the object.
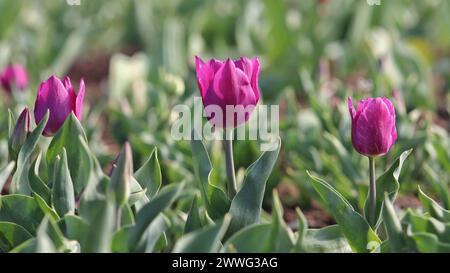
(79, 101)
(203, 75)
(255, 77)
(351, 107)
(52, 95)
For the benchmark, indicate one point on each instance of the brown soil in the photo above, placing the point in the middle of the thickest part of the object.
(407, 201)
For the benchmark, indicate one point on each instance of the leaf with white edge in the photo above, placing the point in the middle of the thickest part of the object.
(302, 227)
(246, 206)
(149, 175)
(20, 183)
(428, 242)
(328, 239)
(22, 210)
(387, 182)
(44, 243)
(46, 209)
(37, 185)
(11, 122)
(151, 210)
(279, 229)
(193, 221)
(216, 201)
(153, 234)
(433, 207)
(397, 239)
(206, 240)
(355, 228)
(5, 172)
(99, 214)
(254, 239)
(73, 227)
(12, 235)
(70, 137)
(63, 196)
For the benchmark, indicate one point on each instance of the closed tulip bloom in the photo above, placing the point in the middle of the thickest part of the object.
(60, 99)
(14, 76)
(373, 126)
(19, 133)
(228, 83)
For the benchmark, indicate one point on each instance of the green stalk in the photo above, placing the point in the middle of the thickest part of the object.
(372, 192)
(118, 218)
(231, 176)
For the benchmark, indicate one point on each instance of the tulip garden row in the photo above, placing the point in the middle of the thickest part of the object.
(84, 175)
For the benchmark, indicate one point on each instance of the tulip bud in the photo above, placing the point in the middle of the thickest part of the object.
(59, 97)
(228, 83)
(373, 126)
(121, 176)
(20, 133)
(14, 75)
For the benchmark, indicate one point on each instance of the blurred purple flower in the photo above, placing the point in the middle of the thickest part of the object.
(233, 83)
(14, 75)
(373, 126)
(59, 97)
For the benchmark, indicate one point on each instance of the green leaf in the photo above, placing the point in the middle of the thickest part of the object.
(151, 210)
(397, 239)
(44, 243)
(387, 182)
(71, 137)
(279, 229)
(73, 227)
(22, 210)
(153, 234)
(19, 183)
(194, 220)
(206, 240)
(429, 243)
(245, 208)
(46, 209)
(11, 122)
(28, 246)
(355, 228)
(63, 196)
(99, 215)
(418, 223)
(149, 175)
(12, 235)
(5, 172)
(433, 207)
(328, 239)
(216, 201)
(302, 228)
(38, 187)
(119, 241)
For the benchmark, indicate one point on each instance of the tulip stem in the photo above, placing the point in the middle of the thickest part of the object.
(118, 217)
(372, 191)
(231, 176)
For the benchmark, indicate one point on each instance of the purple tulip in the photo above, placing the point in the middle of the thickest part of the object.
(14, 75)
(232, 83)
(373, 126)
(59, 97)
(19, 133)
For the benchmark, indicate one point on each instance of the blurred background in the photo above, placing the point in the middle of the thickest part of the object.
(137, 58)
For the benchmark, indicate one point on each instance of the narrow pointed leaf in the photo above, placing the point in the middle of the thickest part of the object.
(19, 183)
(246, 206)
(387, 182)
(149, 175)
(206, 240)
(355, 228)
